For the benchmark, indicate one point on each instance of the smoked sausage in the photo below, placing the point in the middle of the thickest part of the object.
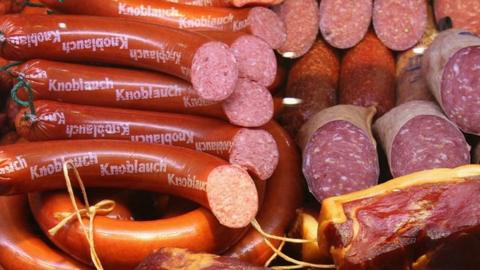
(450, 66)
(208, 64)
(255, 150)
(416, 136)
(462, 13)
(258, 21)
(225, 189)
(339, 151)
(367, 75)
(226, 3)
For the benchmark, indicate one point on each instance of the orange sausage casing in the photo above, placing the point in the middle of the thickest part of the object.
(208, 64)
(190, 174)
(259, 21)
(225, 3)
(255, 150)
(20, 246)
(134, 89)
(284, 194)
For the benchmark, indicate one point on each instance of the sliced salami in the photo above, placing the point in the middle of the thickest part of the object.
(411, 84)
(367, 75)
(416, 136)
(339, 151)
(313, 80)
(451, 66)
(464, 14)
(344, 23)
(399, 24)
(301, 22)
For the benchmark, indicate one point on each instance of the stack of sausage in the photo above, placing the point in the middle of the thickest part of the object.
(122, 89)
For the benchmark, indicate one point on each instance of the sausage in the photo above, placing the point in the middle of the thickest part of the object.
(173, 170)
(339, 151)
(123, 244)
(121, 210)
(313, 79)
(367, 76)
(280, 78)
(133, 89)
(9, 138)
(226, 3)
(175, 258)
(6, 81)
(306, 227)
(411, 84)
(254, 150)
(12, 111)
(11, 6)
(450, 66)
(208, 64)
(343, 24)
(417, 136)
(284, 194)
(462, 13)
(301, 23)
(258, 21)
(399, 24)
(255, 59)
(21, 246)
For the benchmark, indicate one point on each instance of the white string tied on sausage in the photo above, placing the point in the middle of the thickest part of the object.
(102, 208)
(297, 264)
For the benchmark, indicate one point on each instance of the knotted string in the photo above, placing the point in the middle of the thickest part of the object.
(102, 208)
(278, 252)
(24, 84)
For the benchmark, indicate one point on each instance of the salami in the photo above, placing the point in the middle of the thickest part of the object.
(301, 22)
(411, 84)
(313, 79)
(450, 66)
(464, 14)
(129, 89)
(258, 21)
(254, 150)
(339, 151)
(399, 24)
(208, 64)
(343, 24)
(416, 136)
(367, 76)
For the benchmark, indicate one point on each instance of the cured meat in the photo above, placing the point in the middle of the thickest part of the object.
(367, 76)
(416, 136)
(451, 68)
(343, 24)
(399, 24)
(306, 227)
(301, 22)
(339, 151)
(225, 3)
(464, 14)
(390, 226)
(411, 84)
(313, 80)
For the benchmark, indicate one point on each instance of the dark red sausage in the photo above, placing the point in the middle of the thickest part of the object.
(367, 75)
(208, 64)
(313, 80)
(254, 150)
(339, 151)
(225, 3)
(258, 21)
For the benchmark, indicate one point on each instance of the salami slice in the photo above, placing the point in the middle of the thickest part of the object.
(464, 14)
(411, 84)
(399, 24)
(367, 76)
(301, 22)
(344, 23)
(339, 151)
(451, 66)
(416, 136)
(313, 79)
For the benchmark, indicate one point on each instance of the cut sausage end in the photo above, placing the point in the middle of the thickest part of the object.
(214, 71)
(250, 105)
(266, 25)
(232, 196)
(256, 151)
(256, 60)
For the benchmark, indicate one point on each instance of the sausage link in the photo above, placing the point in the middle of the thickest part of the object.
(226, 3)
(255, 150)
(208, 64)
